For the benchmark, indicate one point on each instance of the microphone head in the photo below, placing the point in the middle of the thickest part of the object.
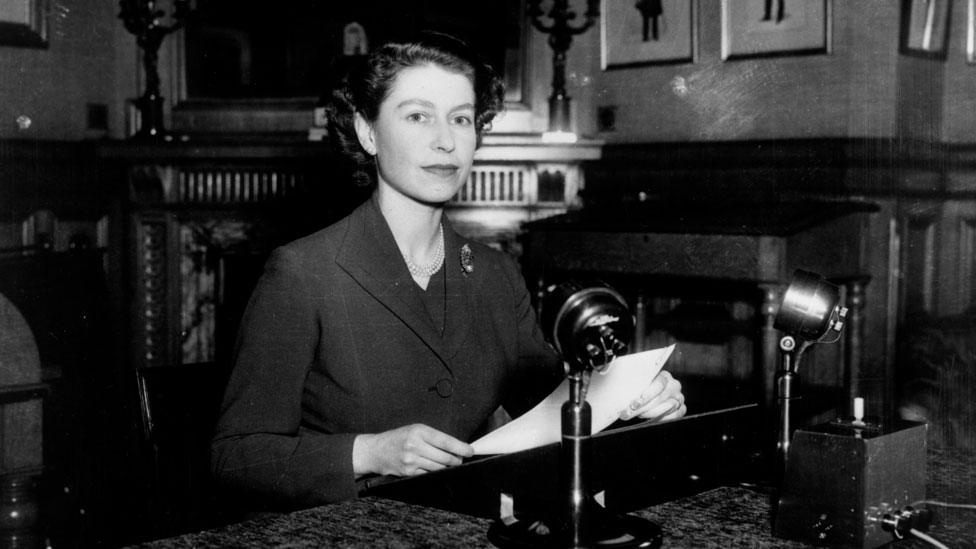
(810, 308)
(589, 325)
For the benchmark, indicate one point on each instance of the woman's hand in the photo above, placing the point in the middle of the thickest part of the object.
(661, 400)
(407, 451)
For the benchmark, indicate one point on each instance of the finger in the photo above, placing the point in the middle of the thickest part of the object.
(439, 457)
(447, 443)
(657, 386)
(660, 408)
(679, 413)
(420, 465)
(657, 410)
(419, 457)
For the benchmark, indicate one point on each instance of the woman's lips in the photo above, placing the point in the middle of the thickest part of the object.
(441, 170)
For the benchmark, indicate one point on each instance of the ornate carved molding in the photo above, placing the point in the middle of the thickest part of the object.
(237, 185)
(152, 291)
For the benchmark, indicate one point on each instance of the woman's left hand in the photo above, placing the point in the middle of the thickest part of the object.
(662, 400)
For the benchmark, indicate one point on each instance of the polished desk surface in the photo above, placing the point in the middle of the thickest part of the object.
(723, 517)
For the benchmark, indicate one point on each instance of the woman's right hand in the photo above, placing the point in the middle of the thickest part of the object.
(407, 451)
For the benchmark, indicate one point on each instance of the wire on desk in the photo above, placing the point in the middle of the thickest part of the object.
(925, 537)
(969, 506)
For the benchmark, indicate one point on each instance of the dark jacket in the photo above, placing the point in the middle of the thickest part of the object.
(336, 341)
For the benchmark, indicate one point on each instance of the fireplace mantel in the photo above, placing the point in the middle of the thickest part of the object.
(199, 208)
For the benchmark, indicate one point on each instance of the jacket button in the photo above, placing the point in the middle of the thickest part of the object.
(444, 387)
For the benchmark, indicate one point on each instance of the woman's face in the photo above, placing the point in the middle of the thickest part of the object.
(424, 136)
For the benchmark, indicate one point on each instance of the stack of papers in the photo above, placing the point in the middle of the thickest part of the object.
(609, 394)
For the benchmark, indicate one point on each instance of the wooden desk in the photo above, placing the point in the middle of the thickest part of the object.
(698, 244)
(720, 518)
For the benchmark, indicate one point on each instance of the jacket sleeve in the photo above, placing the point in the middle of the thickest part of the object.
(538, 369)
(260, 448)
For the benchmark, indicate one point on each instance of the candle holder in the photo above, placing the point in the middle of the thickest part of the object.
(561, 32)
(143, 19)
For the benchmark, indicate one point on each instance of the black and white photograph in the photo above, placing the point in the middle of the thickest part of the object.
(971, 32)
(752, 28)
(524, 273)
(925, 27)
(647, 32)
(24, 23)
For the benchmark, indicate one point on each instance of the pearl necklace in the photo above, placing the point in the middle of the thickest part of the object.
(428, 270)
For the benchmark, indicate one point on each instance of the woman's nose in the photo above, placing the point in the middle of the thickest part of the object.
(443, 137)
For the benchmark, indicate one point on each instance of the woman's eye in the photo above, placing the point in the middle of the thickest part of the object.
(463, 120)
(417, 117)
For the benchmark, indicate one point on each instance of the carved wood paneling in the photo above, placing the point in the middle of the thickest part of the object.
(967, 260)
(919, 224)
(235, 185)
(499, 184)
(152, 326)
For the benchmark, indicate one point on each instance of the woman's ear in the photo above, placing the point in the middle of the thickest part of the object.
(364, 131)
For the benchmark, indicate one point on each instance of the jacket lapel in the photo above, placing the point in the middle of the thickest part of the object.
(370, 255)
(461, 289)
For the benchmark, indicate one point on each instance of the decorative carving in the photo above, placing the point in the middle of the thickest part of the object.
(498, 185)
(211, 185)
(20, 509)
(153, 290)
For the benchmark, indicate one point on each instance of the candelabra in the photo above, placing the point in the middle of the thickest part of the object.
(143, 19)
(561, 31)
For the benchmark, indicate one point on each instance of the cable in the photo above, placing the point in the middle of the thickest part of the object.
(969, 506)
(925, 537)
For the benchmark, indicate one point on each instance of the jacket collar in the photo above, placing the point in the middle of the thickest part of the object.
(370, 255)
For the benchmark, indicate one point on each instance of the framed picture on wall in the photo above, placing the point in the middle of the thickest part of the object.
(23, 23)
(647, 32)
(762, 28)
(925, 28)
(971, 32)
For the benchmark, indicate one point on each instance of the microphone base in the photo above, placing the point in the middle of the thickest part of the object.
(618, 531)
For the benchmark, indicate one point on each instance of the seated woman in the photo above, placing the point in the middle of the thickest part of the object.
(381, 344)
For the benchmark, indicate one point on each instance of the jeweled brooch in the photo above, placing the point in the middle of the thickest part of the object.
(467, 259)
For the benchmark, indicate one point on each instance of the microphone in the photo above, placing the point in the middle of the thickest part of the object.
(589, 325)
(811, 308)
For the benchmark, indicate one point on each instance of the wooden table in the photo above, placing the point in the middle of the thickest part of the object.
(701, 243)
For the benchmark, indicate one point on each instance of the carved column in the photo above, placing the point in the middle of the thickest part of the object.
(769, 339)
(853, 334)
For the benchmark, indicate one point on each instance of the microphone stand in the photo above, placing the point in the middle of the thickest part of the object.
(583, 522)
(787, 379)
(590, 326)
(573, 461)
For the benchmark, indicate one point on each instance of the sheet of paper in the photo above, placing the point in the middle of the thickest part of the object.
(609, 393)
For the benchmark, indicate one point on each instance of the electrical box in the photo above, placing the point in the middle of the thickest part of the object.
(843, 478)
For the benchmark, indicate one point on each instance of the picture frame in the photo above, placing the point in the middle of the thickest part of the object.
(657, 32)
(925, 28)
(23, 23)
(971, 33)
(769, 28)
